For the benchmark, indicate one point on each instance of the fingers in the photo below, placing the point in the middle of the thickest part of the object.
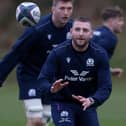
(85, 101)
(65, 83)
(85, 105)
(58, 85)
(59, 81)
(79, 98)
(120, 73)
(117, 72)
(75, 97)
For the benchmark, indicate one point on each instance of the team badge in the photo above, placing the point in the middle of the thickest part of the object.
(68, 59)
(32, 92)
(64, 117)
(64, 114)
(90, 62)
(49, 36)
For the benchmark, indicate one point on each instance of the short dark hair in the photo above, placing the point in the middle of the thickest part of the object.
(82, 19)
(56, 1)
(111, 12)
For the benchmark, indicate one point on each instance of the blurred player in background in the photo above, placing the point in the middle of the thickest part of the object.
(76, 75)
(29, 53)
(106, 35)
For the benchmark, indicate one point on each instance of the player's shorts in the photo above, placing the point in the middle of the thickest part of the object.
(72, 114)
(35, 109)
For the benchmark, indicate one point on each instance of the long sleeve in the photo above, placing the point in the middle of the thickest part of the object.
(104, 81)
(17, 54)
(48, 74)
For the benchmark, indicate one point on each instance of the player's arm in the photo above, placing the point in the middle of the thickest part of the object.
(118, 72)
(17, 53)
(104, 80)
(47, 78)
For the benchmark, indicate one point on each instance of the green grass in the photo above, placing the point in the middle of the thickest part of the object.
(11, 109)
(112, 113)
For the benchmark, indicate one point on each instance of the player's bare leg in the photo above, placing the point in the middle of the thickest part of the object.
(35, 122)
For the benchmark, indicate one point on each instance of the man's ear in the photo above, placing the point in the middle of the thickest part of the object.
(52, 9)
(91, 35)
(71, 30)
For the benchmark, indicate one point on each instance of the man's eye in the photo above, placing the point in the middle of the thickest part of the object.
(85, 30)
(62, 8)
(77, 29)
(70, 8)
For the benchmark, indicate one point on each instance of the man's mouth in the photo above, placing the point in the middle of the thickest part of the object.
(65, 18)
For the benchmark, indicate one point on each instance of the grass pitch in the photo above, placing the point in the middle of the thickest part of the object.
(112, 113)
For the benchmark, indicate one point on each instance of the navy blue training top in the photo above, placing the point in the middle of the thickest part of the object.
(104, 37)
(88, 73)
(30, 51)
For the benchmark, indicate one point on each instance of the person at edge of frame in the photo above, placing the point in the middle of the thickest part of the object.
(106, 34)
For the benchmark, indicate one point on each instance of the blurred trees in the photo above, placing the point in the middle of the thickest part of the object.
(10, 29)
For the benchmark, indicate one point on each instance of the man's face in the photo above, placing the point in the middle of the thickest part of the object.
(81, 33)
(62, 12)
(118, 24)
